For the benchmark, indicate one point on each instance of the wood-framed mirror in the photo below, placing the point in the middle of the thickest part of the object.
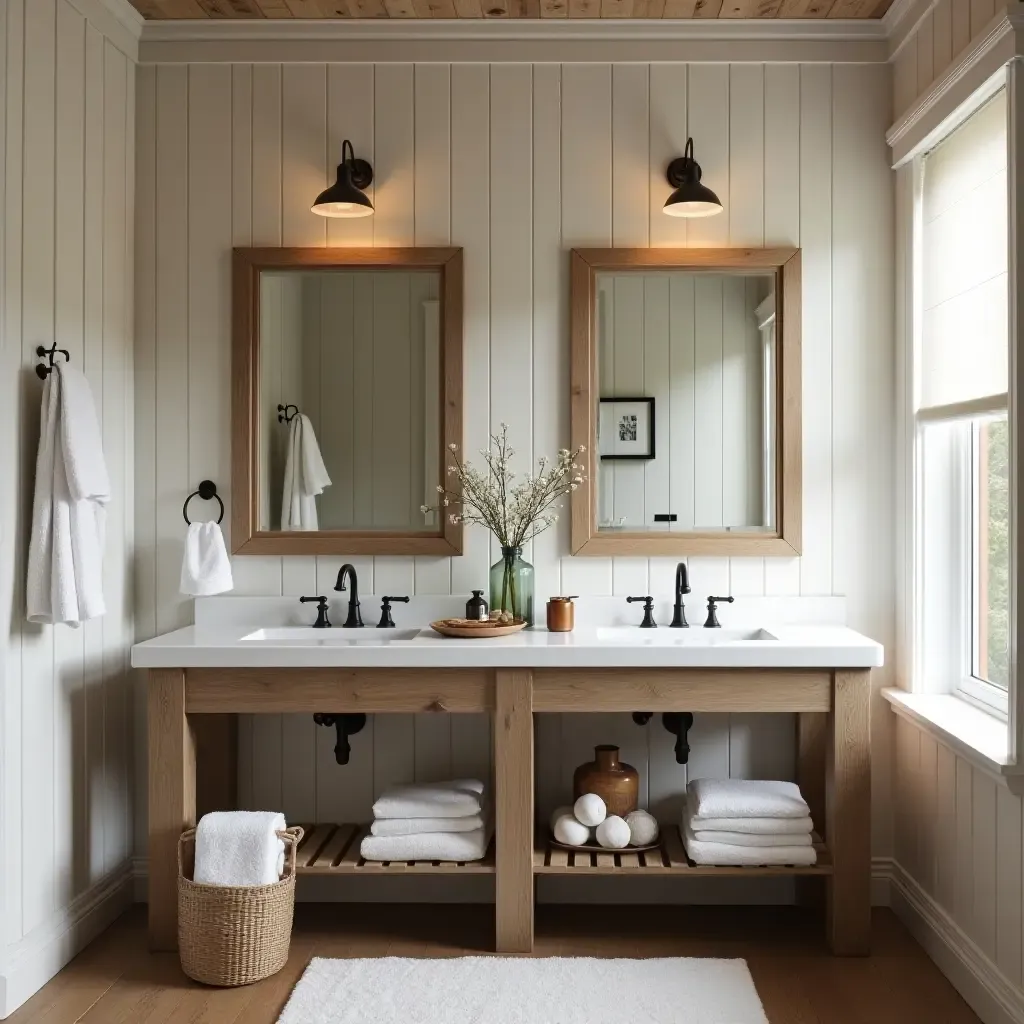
(347, 392)
(685, 390)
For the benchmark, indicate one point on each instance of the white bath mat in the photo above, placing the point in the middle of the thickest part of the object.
(502, 990)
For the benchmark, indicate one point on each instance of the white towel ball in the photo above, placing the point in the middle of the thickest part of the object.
(613, 833)
(560, 812)
(590, 809)
(643, 828)
(569, 831)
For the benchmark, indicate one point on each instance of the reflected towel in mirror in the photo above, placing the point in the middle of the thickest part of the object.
(305, 476)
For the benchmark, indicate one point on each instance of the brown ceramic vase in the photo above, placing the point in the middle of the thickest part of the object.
(616, 783)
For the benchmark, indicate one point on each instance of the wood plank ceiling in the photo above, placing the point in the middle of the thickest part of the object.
(788, 9)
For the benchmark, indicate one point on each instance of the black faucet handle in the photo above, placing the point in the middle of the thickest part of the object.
(386, 622)
(322, 622)
(711, 622)
(648, 601)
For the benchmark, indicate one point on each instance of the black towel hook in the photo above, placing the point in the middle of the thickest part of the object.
(207, 490)
(283, 416)
(42, 372)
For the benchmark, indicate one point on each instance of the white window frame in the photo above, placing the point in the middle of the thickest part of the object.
(955, 580)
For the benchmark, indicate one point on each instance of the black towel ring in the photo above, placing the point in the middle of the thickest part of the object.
(283, 416)
(207, 490)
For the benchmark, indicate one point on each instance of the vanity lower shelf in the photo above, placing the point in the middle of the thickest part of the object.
(328, 849)
(669, 858)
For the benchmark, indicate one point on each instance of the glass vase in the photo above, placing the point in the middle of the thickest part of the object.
(512, 585)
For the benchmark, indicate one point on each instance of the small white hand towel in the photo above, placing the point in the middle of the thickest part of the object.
(745, 856)
(205, 566)
(419, 826)
(746, 839)
(746, 798)
(448, 846)
(459, 798)
(65, 559)
(305, 476)
(239, 848)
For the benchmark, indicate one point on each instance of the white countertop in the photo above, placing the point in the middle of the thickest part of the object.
(790, 646)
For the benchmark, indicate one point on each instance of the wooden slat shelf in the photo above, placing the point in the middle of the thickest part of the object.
(668, 859)
(329, 849)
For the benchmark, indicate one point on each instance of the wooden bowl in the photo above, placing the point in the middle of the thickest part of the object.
(469, 629)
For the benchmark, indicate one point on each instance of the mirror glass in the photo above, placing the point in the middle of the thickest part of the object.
(354, 358)
(687, 382)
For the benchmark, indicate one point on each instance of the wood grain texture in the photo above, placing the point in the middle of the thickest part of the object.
(246, 390)
(513, 808)
(848, 815)
(172, 798)
(812, 747)
(262, 691)
(426, 9)
(719, 690)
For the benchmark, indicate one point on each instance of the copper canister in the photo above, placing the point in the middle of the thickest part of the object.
(561, 614)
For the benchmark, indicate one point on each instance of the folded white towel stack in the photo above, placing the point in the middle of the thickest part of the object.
(205, 566)
(432, 821)
(72, 490)
(305, 476)
(747, 822)
(239, 848)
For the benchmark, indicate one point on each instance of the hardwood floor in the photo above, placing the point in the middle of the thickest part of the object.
(115, 981)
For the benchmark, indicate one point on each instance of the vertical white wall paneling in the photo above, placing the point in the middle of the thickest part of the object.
(925, 53)
(927, 813)
(746, 213)
(942, 37)
(983, 861)
(1008, 884)
(961, 26)
(586, 220)
(964, 897)
(70, 798)
(782, 224)
(982, 12)
(816, 242)
(37, 825)
(945, 827)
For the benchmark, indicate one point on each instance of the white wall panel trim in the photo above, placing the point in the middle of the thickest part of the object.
(971, 971)
(117, 20)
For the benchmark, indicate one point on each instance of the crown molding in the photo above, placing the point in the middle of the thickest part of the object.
(560, 41)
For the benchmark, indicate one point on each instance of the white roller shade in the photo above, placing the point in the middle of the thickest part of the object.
(965, 317)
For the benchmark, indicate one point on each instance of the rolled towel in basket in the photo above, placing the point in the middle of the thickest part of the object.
(448, 846)
(239, 848)
(745, 798)
(460, 798)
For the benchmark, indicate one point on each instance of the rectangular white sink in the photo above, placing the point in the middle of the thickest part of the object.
(308, 635)
(667, 637)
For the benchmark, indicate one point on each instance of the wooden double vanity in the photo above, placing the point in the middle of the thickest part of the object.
(821, 674)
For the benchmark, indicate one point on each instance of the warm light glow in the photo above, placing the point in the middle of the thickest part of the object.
(342, 210)
(693, 209)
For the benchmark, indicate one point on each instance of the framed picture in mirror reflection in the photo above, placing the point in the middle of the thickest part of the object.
(625, 428)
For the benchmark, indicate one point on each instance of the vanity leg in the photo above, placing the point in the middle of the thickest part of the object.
(848, 815)
(172, 799)
(812, 745)
(513, 770)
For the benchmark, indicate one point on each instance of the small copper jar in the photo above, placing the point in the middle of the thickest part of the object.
(561, 615)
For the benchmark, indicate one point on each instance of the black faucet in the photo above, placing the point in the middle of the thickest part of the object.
(682, 587)
(386, 622)
(355, 619)
(648, 622)
(322, 622)
(711, 622)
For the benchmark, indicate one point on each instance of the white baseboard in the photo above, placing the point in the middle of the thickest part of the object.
(992, 996)
(39, 956)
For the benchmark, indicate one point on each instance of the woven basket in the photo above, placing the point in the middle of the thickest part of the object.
(234, 935)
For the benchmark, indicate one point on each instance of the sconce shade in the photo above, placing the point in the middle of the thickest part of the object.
(345, 198)
(690, 198)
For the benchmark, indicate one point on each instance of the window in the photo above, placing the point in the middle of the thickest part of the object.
(962, 437)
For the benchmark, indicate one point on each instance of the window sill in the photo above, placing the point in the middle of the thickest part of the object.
(976, 735)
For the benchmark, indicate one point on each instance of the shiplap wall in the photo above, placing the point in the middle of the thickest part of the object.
(942, 35)
(67, 126)
(693, 344)
(517, 163)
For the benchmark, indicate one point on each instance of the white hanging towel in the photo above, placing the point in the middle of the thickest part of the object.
(72, 489)
(305, 476)
(239, 848)
(205, 567)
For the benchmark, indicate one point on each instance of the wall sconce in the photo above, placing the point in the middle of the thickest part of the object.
(691, 198)
(345, 198)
